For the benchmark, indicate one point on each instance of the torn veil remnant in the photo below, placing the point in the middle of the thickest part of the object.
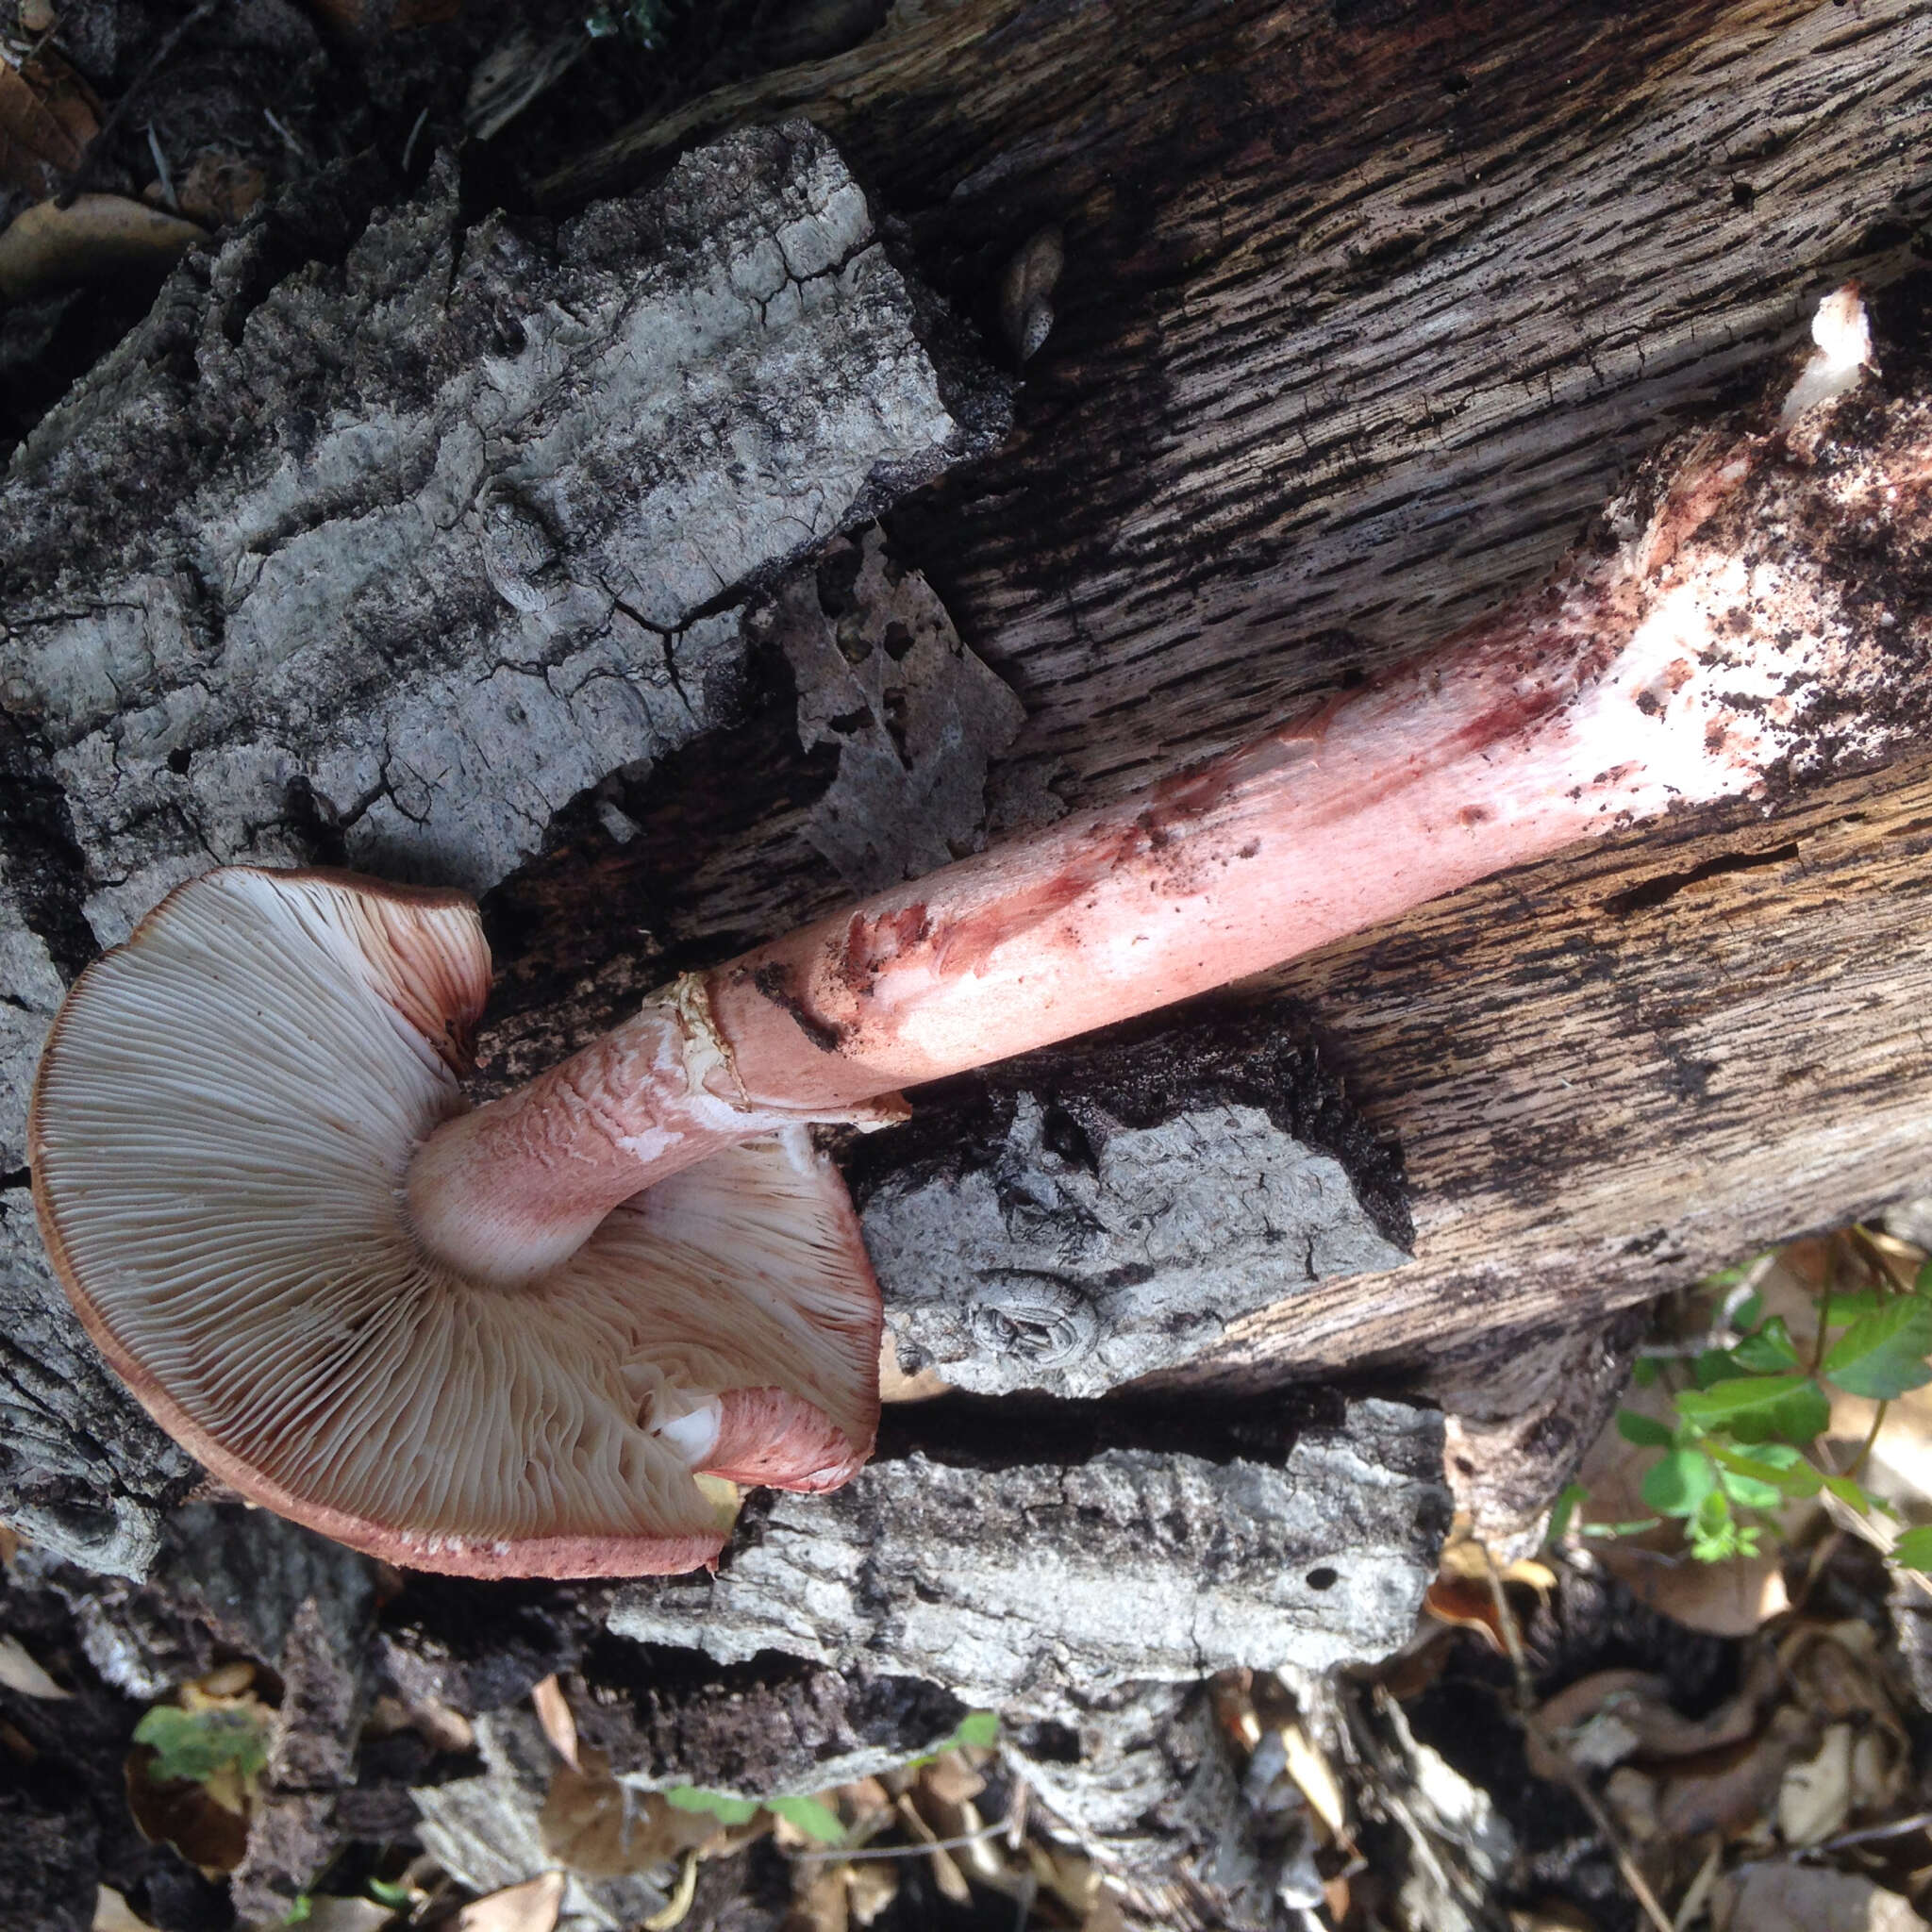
(221, 1129)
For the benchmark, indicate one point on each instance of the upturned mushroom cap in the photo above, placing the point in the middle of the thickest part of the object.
(220, 1132)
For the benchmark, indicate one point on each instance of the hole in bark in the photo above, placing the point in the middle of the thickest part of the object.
(837, 574)
(179, 760)
(1743, 194)
(1062, 1134)
(1655, 891)
(1322, 1577)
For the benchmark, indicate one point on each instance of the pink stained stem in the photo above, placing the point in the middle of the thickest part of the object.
(1723, 643)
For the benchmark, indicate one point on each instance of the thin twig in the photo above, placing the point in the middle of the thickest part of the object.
(1866, 1833)
(1532, 1722)
(83, 171)
(1864, 1455)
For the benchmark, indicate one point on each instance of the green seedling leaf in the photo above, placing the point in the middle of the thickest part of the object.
(1729, 1277)
(1769, 1352)
(1570, 1499)
(1848, 1304)
(1749, 1491)
(1636, 1527)
(200, 1745)
(1681, 1484)
(1643, 1372)
(1759, 1408)
(813, 1817)
(726, 1807)
(395, 1897)
(1645, 1431)
(1713, 1365)
(1848, 1492)
(1922, 1282)
(1883, 1354)
(1914, 1550)
(303, 1906)
(977, 1728)
(1747, 1314)
(1776, 1463)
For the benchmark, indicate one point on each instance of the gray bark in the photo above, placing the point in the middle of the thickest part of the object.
(393, 558)
(1036, 1585)
(83, 1475)
(1086, 1216)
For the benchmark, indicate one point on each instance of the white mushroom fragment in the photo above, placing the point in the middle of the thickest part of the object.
(221, 1131)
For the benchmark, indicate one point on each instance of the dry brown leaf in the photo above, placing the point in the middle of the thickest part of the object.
(945, 1870)
(19, 1672)
(1730, 1791)
(1465, 1604)
(952, 1779)
(1815, 1798)
(1728, 1599)
(870, 1887)
(1315, 1779)
(10, 1546)
(1630, 1796)
(112, 1913)
(1611, 1715)
(678, 1905)
(598, 1827)
(46, 247)
(554, 1713)
(531, 1906)
(1806, 1898)
(441, 1725)
(862, 1801)
(189, 1816)
(48, 114)
(216, 190)
(1072, 1878)
(818, 1898)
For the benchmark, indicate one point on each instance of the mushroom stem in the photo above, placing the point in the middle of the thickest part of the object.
(1735, 636)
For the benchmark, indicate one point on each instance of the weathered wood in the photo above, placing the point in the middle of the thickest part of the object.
(1092, 1214)
(1036, 1575)
(392, 557)
(1364, 306)
(1618, 1070)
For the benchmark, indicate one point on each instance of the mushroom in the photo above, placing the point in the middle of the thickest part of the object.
(593, 1343)
(221, 1129)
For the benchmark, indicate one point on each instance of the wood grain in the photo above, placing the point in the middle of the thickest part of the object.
(1616, 1071)
(1365, 306)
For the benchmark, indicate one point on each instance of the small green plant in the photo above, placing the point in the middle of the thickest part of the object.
(813, 1816)
(206, 1745)
(1744, 1436)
